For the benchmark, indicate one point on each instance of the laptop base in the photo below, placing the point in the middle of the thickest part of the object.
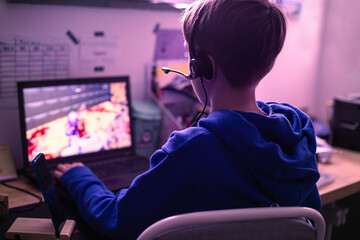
(38, 229)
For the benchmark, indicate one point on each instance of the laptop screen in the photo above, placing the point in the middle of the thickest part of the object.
(75, 118)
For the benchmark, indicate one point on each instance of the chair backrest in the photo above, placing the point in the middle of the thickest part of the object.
(247, 223)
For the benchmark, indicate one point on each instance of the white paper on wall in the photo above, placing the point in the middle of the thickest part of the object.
(24, 58)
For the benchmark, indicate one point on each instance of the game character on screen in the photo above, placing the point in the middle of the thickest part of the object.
(245, 153)
(74, 129)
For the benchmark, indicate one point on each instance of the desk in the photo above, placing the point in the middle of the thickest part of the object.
(17, 198)
(23, 203)
(345, 167)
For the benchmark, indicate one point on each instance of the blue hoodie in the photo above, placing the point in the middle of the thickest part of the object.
(232, 159)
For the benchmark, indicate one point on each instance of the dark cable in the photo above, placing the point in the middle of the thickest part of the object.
(203, 110)
(25, 191)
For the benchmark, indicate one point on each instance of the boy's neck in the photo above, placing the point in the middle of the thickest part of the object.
(238, 99)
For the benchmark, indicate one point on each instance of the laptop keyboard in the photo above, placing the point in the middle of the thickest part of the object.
(123, 170)
(103, 170)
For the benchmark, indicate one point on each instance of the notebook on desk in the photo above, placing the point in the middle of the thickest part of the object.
(324, 180)
(87, 120)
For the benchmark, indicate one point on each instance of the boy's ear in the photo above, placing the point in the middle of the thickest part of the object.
(213, 65)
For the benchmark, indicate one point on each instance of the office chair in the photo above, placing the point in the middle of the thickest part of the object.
(247, 223)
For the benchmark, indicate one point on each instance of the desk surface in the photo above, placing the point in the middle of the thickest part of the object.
(345, 166)
(18, 198)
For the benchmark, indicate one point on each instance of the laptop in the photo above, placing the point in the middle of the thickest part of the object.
(87, 120)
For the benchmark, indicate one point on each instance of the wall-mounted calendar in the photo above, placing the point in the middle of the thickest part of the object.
(26, 60)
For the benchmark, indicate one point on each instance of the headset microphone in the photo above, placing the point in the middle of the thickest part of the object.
(200, 65)
(166, 70)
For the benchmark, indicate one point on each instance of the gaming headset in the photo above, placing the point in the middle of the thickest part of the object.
(200, 64)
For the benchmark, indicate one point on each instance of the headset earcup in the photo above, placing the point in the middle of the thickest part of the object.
(193, 67)
(203, 65)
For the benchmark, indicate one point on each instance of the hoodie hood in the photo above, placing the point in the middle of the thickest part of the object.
(279, 148)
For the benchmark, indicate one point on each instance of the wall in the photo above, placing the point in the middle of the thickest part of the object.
(132, 27)
(339, 62)
(293, 77)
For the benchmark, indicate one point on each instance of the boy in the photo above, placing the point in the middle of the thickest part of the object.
(246, 153)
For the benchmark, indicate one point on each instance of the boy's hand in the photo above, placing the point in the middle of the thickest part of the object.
(62, 168)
